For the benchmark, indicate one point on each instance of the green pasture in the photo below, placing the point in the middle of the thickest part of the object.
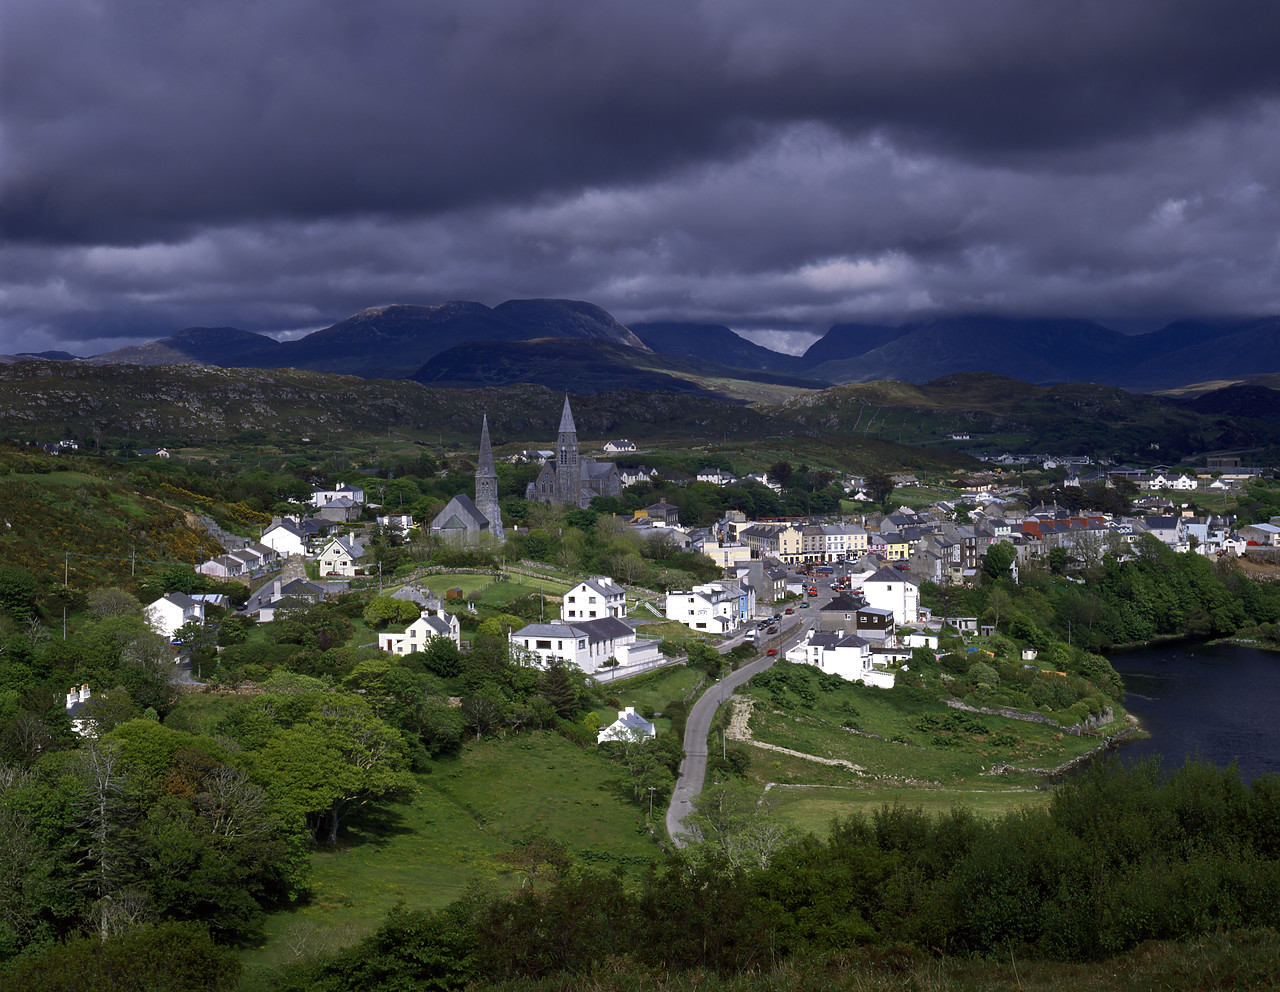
(430, 849)
(493, 591)
(900, 756)
(813, 808)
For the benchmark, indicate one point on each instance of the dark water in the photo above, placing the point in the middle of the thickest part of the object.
(1219, 702)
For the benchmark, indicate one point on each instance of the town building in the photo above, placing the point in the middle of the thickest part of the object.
(570, 478)
(463, 521)
(717, 607)
(594, 598)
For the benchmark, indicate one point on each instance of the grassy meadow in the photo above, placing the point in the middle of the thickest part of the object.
(430, 849)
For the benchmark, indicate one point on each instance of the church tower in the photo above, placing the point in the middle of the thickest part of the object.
(487, 484)
(568, 464)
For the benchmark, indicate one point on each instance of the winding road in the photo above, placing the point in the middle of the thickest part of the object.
(693, 769)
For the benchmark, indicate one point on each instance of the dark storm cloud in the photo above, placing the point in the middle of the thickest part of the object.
(138, 117)
(277, 165)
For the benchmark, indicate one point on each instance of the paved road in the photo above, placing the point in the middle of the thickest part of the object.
(693, 769)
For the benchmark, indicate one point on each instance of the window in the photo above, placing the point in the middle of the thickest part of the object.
(541, 645)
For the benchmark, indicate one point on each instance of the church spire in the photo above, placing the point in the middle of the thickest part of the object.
(487, 484)
(566, 418)
(568, 462)
(485, 462)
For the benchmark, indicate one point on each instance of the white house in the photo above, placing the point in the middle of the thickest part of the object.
(171, 611)
(594, 598)
(630, 476)
(845, 655)
(322, 496)
(222, 567)
(397, 523)
(893, 590)
(719, 607)
(630, 726)
(764, 480)
(421, 631)
(285, 537)
(589, 644)
(341, 556)
(81, 725)
(621, 445)
(717, 477)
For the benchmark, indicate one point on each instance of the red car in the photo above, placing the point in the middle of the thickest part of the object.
(771, 652)
(790, 611)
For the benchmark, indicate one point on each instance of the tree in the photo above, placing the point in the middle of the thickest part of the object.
(556, 687)
(879, 487)
(112, 602)
(781, 472)
(341, 757)
(17, 592)
(706, 658)
(104, 813)
(998, 560)
(482, 714)
(999, 604)
(441, 657)
(741, 823)
(532, 857)
(167, 956)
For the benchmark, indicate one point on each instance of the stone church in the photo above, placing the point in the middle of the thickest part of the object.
(570, 479)
(463, 521)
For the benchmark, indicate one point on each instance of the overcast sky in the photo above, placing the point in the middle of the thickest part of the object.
(277, 165)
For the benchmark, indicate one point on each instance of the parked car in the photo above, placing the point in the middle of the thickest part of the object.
(773, 630)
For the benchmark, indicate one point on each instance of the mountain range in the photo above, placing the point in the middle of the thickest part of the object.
(467, 344)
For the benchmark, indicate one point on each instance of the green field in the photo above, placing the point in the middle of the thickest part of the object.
(812, 808)
(429, 850)
(917, 754)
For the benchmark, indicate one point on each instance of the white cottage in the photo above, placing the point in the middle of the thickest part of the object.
(417, 635)
(171, 611)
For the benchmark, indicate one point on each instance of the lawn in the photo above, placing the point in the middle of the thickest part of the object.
(429, 850)
(649, 692)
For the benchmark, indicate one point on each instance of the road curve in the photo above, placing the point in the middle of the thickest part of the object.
(693, 769)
